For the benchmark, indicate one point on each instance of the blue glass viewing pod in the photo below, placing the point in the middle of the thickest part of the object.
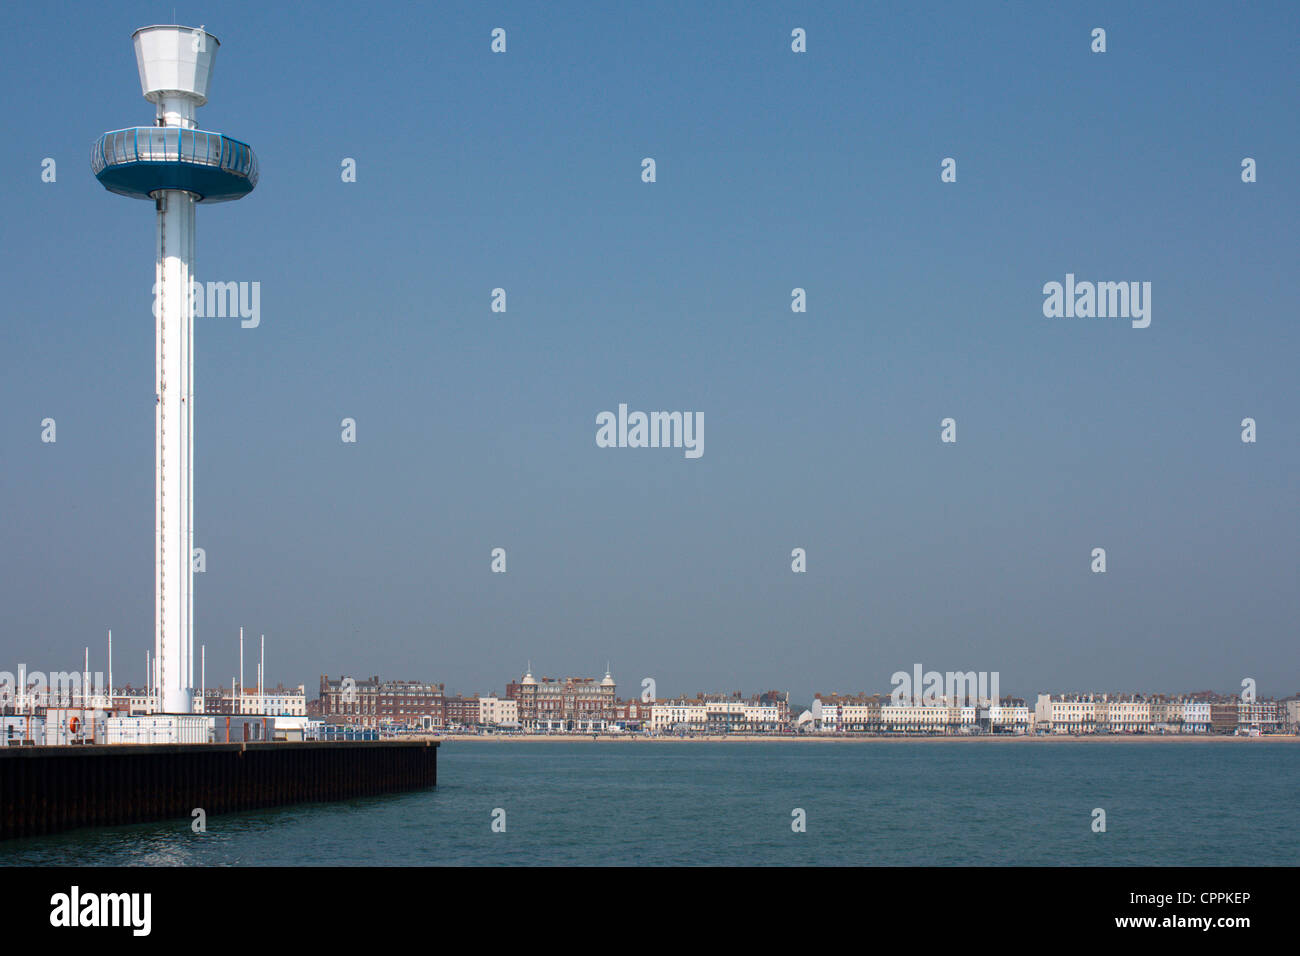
(140, 161)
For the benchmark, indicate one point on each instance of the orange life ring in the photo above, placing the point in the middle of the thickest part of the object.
(73, 724)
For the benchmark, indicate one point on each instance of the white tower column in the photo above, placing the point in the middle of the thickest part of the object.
(174, 71)
(174, 452)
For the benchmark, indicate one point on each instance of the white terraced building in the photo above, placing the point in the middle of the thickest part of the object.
(1102, 713)
(833, 716)
(1196, 716)
(845, 718)
(732, 715)
(767, 717)
(916, 718)
(673, 715)
(1124, 716)
(1008, 718)
(720, 716)
(1066, 715)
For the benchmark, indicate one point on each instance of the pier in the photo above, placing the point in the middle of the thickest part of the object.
(51, 789)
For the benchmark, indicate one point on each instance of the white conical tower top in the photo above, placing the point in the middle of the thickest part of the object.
(175, 61)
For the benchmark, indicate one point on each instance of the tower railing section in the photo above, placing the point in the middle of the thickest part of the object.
(174, 144)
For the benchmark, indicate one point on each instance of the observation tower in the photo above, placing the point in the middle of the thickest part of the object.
(176, 166)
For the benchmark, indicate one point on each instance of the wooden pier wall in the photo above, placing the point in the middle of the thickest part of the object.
(49, 789)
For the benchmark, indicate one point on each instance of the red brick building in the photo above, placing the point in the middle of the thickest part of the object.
(633, 714)
(462, 711)
(371, 702)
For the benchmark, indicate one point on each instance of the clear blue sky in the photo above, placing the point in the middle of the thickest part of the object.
(775, 170)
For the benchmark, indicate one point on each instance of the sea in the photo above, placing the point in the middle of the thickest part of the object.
(865, 803)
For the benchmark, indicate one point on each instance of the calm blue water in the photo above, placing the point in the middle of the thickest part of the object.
(926, 803)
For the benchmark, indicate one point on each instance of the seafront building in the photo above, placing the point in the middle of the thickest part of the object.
(498, 712)
(934, 718)
(461, 713)
(633, 715)
(568, 705)
(572, 705)
(1196, 717)
(1124, 715)
(1166, 715)
(278, 701)
(836, 713)
(372, 703)
(1134, 714)
(1071, 714)
(767, 713)
(350, 700)
(1260, 716)
(468, 713)
(588, 705)
(1009, 716)
(846, 714)
(678, 716)
(1224, 716)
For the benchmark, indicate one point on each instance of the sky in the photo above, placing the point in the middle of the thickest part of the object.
(774, 170)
